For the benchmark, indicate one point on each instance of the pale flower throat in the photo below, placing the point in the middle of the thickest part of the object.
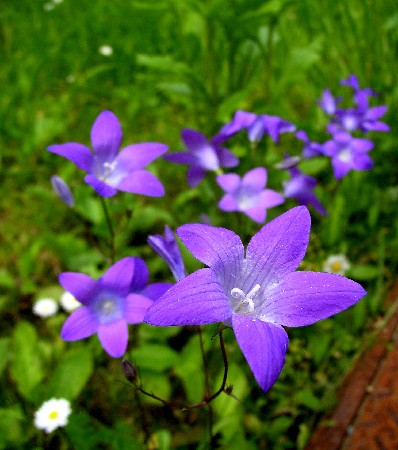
(245, 302)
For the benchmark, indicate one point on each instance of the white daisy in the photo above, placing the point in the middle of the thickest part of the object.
(336, 264)
(106, 50)
(69, 302)
(45, 307)
(52, 414)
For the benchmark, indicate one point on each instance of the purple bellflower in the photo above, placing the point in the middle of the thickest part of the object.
(348, 153)
(108, 306)
(248, 194)
(257, 126)
(109, 170)
(328, 102)
(255, 291)
(62, 190)
(166, 246)
(202, 155)
(139, 283)
(301, 187)
(310, 149)
(362, 117)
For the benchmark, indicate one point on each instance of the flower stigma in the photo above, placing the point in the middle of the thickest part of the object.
(245, 299)
(108, 167)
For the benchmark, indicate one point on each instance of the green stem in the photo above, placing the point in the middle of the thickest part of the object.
(207, 384)
(111, 230)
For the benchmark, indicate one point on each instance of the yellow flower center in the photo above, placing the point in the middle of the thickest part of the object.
(53, 415)
(336, 266)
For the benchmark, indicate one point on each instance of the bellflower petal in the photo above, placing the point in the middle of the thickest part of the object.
(194, 140)
(142, 182)
(101, 188)
(155, 290)
(166, 246)
(136, 307)
(118, 277)
(303, 298)
(79, 154)
(106, 136)
(228, 203)
(79, 325)
(81, 286)
(264, 346)
(140, 276)
(256, 178)
(197, 299)
(229, 182)
(279, 247)
(113, 337)
(207, 244)
(137, 156)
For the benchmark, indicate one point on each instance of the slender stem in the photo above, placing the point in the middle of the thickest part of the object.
(111, 230)
(207, 399)
(207, 384)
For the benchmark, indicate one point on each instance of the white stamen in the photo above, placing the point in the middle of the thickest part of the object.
(108, 307)
(238, 294)
(245, 299)
(109, 167)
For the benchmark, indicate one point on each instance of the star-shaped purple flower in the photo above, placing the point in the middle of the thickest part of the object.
(108, 305)
(256, 291)
(166, 246)
(348, 153)
(301, 187)
(248, 194)
(203, 155)
(109, 170)
(256, 126)
(310, 149)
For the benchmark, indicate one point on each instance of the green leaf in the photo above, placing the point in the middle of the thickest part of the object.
(154, 357)
(12, 429)
(4, 352)
(364, 272)
(307, 398)
(71, 374)
(26, 367)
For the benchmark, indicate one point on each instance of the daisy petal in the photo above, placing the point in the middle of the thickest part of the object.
(197, 299)
(264, 346)
(79, 325)
(113, 337)
(303, 298)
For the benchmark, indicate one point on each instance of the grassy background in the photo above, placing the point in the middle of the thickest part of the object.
(178, 64)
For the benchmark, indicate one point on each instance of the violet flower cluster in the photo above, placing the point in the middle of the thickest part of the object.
(347, 148)
(256, 291)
